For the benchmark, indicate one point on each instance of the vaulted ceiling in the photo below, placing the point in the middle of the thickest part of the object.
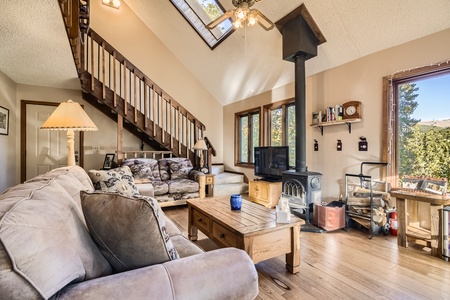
(34, 48)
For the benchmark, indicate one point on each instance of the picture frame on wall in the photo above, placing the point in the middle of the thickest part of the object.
(109, 161)
(4, 120)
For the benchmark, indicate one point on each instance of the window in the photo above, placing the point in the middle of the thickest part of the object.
(247, 136)
(417, 135)
(200, 13)
(280, 118)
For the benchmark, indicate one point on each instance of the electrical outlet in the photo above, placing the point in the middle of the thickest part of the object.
(95, 148)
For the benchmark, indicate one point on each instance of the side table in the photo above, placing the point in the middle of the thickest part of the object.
(404, 231)
(209, 185)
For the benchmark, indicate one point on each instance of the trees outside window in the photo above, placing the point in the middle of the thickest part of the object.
(417, 123)
(247, 136)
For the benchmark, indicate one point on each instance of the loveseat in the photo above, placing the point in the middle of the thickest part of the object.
(55, 243)
(171, 181)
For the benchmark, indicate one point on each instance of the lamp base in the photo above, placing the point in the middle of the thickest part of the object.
(70, 147)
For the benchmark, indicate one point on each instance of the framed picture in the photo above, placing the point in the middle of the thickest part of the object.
(4, 120)
(109, 161)
(435, 186)
(411, 182)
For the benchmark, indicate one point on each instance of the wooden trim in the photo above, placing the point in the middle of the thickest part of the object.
(303, 12)
(237, 116)
(23, 135)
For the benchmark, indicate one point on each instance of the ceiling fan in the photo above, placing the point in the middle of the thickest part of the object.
(243, 13)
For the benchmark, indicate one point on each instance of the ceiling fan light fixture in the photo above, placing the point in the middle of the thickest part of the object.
(237, 24)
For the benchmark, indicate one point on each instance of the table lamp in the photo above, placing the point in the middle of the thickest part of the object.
(69, 116)
(200, 145)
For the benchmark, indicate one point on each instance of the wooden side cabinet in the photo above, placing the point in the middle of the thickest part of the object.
(264, 192)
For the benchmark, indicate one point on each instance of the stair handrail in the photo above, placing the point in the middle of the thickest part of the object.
(210, 152)
(170, 119)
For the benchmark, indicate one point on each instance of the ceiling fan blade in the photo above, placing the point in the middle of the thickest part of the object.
(220, 19)
(264, 21)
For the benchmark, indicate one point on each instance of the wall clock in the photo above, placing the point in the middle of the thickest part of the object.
(352, 110)
(204, 170)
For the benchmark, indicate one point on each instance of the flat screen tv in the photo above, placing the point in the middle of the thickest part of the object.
(271, 162)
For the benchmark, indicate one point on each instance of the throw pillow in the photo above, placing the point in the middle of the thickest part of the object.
(180, 168)
(118, 180)
(130, 231)
(143, 169)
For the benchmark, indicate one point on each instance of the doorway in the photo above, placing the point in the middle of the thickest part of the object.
(43, 150)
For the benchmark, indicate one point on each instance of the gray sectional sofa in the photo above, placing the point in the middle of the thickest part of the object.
(51, 249)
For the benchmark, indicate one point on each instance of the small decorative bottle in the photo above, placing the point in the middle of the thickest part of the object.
(236, 202)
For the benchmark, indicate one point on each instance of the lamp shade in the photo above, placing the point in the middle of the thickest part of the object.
(200, 145)
(69, 115)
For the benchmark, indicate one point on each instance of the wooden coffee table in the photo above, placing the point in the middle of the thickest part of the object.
(252, 229)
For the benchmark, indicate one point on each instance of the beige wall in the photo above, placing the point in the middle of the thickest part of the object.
(129, 35)
(358, 80)
(8, 170)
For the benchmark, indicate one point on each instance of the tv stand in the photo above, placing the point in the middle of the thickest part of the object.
(264, 192)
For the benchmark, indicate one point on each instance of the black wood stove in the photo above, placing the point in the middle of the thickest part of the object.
(301, 36)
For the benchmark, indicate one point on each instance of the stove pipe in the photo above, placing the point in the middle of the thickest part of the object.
(300, 113)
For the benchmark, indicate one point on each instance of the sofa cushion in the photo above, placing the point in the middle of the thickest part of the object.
(118, 180)
(130, 231)
(47, 243)
(164, 170)
(183, 186)
(160, 188)
(143, 168)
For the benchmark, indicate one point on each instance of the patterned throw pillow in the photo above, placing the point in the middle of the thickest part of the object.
(129, 231)
(118, 180)
(174, 168)
(180, 168)
(144, 169)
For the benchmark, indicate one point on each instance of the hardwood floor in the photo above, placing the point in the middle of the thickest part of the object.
(346, 265)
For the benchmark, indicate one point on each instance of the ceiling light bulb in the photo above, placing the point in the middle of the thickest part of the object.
(241, 13)
(116, 3)
(251, 19)
(237, 24)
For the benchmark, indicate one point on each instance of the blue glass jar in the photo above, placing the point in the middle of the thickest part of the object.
(236, 202)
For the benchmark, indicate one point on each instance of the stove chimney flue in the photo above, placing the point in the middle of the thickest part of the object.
(301, 36)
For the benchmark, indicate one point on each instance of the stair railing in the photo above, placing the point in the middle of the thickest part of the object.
(115, 81)
(210, 153)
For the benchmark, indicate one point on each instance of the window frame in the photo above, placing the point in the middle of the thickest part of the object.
(283, 104)
(390, 112)
(198, 19)
(237, 142)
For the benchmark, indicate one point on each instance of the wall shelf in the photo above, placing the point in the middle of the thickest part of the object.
(348, 122)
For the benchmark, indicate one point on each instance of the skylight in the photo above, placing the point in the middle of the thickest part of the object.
(199, 13)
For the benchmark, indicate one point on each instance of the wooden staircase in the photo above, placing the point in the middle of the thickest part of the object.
(116, 87)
